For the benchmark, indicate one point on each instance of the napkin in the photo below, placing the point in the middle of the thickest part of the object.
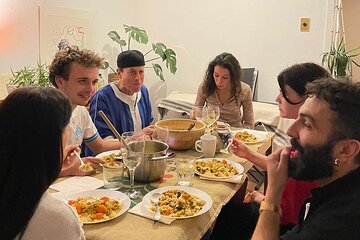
(236, 179)
(77, 184)
(142, 212)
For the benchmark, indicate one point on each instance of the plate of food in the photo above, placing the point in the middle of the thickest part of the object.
(179, 202)
(217, 168)
(249, 136)
(110, 155)
(97, 206)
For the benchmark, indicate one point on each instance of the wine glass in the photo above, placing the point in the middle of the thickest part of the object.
(132, 158)
(198, 110)
(210, 115)
(161, 133)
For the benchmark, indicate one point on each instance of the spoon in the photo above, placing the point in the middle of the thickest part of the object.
(78, 157)
(226, 150)
(155, 199)
(113, 129)
(191, 126)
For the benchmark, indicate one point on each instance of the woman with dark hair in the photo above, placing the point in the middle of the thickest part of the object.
(32, 127)
(292, 82)
(222, 86)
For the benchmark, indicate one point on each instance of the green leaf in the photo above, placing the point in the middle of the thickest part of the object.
(137, 33)
(116, 38)
(158, 70)
(159, 48)
(31, 76)
(170, 60)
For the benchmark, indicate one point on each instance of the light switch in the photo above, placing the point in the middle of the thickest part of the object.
(305, 24)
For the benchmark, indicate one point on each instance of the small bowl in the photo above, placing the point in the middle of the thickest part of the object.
(179, 137)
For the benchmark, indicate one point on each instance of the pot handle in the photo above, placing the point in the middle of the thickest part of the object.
(159, 158)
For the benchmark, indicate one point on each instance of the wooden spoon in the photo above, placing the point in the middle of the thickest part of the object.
(113, 129)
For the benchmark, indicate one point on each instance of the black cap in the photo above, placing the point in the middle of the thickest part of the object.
(130, 58)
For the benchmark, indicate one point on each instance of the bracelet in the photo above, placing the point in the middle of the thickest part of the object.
(265, 206)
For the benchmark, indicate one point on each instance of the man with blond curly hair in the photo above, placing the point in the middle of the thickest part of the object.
(75, 72)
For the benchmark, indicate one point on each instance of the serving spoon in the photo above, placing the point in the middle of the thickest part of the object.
(113, 129)
(155, 199)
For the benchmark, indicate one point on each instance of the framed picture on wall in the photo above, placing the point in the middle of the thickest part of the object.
(63, 26)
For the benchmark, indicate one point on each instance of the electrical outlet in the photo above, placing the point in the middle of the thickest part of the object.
(305, 24)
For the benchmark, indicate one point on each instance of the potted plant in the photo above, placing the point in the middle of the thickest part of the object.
(162, 53)
(339, 61)
(29, 76)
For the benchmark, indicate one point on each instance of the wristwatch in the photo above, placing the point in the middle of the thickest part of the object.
(265, 206)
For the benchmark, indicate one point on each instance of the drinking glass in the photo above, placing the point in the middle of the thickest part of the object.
(210, 115)
(185, 168)
(198, 111)
(132, 158)
(161, 134)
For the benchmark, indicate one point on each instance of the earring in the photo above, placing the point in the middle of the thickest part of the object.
(336, 162)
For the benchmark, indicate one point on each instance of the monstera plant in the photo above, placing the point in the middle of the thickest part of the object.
(163, 55)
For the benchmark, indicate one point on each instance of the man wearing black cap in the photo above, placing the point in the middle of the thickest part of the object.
(125, 102)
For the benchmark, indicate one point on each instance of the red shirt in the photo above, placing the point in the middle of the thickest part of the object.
(294, 195)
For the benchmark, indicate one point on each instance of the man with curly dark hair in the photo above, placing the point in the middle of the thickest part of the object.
(325, 146)
(75, 72)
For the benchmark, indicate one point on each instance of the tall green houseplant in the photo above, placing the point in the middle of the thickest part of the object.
(31, 76)
(138, 34)
(339, 61)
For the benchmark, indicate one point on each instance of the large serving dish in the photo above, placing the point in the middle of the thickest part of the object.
(239, 168)
(260, 135)
(119, 196)
(179, 137)
(146, 202)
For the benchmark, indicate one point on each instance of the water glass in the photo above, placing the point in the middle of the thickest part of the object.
(113, 175)
(161, 133)
(185, 168)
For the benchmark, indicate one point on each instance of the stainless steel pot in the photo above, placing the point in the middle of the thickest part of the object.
(153, 165)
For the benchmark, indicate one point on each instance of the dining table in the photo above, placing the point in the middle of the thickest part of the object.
(131, 227)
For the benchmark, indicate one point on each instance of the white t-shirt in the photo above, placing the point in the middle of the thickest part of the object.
(132, 101)
(53, 220)
(81, 127)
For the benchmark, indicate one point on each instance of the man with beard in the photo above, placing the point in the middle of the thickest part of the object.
(325, 147)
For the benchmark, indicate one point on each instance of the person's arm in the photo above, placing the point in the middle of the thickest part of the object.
(241, 150)
(267, 226)
(248, 112)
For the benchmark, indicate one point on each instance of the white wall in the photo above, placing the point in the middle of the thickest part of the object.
(261, 34)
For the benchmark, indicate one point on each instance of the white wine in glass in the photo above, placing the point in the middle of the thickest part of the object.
(210, 115)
